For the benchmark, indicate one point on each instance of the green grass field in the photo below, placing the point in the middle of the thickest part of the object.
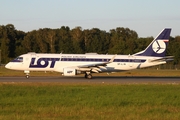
(58, 101)
(32, 101)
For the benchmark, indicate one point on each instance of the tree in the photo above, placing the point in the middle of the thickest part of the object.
(117, 41)
(174, 49)
(65, 44)
(4, 50)
(142, 43)
(19, 48)
(51, 40)
(29, 42)
(77, 39)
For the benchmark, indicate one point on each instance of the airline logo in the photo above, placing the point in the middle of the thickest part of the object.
(159, 46)
(43, 62)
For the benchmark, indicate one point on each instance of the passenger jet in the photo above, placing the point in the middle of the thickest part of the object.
(74, 64)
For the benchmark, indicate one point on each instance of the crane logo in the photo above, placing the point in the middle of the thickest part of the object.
(159, 46)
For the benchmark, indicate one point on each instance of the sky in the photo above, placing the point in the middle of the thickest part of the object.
(146, 17)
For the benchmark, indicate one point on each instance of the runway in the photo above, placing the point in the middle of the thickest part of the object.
(96, 80)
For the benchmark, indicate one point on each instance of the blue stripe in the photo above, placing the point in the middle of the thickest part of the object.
(102, 60)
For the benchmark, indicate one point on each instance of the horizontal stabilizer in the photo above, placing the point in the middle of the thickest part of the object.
(167, 58)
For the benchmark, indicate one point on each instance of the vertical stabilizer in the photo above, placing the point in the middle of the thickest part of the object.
(158, 46)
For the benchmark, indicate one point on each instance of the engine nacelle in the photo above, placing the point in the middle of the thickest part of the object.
(69, 72)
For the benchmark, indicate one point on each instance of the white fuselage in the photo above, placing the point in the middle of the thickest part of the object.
(57, 62)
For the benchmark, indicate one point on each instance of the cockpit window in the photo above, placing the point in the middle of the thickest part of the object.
(18, 59)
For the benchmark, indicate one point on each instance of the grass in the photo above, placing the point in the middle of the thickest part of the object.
(24, 101)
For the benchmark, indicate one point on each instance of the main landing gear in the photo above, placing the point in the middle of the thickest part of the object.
(88, 75)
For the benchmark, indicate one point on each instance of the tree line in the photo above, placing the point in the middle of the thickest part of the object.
(76, 41)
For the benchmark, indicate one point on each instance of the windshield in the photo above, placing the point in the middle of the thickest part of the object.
(18, 59)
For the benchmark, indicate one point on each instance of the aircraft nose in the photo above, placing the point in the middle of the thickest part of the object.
(8, 66)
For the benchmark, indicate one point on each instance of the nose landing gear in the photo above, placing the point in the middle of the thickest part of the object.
(27, 74)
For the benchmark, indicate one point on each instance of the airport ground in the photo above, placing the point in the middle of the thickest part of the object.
(140, 72)
(139, 94)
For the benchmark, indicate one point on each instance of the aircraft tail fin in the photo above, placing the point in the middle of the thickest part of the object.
(158, 46)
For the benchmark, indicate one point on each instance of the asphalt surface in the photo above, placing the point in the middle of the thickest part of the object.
(96, 79)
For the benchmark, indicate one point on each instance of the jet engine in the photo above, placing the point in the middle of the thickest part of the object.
(70, 72)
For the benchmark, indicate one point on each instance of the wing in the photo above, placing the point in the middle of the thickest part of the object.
(95, 67)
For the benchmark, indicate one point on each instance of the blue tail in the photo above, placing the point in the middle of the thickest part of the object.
(158, 46)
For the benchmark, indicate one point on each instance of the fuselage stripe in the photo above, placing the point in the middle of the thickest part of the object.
(102, 60)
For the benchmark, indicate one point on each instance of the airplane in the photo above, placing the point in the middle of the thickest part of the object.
(74, 64)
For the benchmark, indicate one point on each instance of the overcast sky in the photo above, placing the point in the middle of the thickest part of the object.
(146, 17)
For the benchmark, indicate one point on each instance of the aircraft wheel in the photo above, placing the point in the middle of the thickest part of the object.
(89, 76)
(27, 76)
